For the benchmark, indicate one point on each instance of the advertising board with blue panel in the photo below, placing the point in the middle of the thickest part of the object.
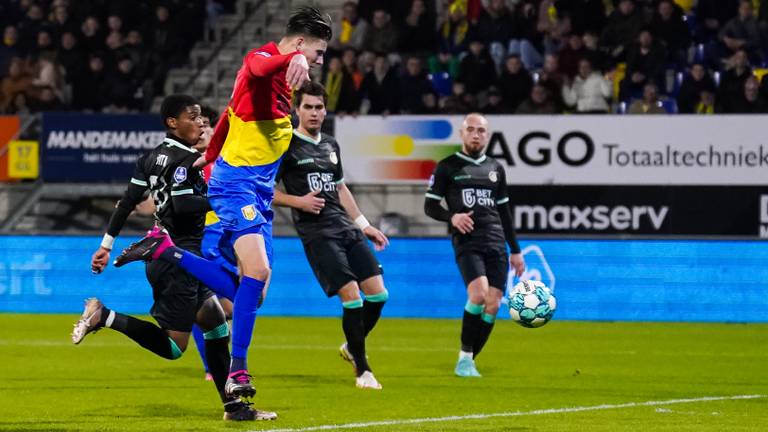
(96, 147)
(639, 280)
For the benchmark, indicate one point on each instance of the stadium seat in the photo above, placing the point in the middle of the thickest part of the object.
(441, 83)
(669, 105)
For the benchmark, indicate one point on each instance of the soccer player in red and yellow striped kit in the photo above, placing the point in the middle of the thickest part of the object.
(246, 149)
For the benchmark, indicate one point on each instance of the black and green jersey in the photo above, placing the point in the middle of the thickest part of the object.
(476, 185)
(314, 164)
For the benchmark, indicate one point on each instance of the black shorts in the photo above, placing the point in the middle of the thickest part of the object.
(491, 263)
(338, 261)
(177, 295)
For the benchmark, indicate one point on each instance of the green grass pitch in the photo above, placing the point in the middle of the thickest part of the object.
(566, 376)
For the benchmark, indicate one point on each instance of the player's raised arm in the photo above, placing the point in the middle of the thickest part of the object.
(132, 196)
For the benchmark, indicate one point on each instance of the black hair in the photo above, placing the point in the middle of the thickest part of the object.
(210, 114)
(309, 21)
(174, 105)
(309, 88)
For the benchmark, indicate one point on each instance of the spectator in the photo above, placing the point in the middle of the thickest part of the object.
(9, 48)
(166, 47)
(47, 101)
(669, 28)
(477, 69)
(31, 25)
(525, 37)
(16, 82)
(62, 21)
(494, 28)
(711, 16)
(429, 104)
(49, 74)
(350, 61)
(599, 59)
(693, 85)
(551, 79)
(417, 32)
(382, 36)
(706, 103)
(551, 26)
(515, 82)
(114, 52)
(444, 61)
(18, 106)
(90, 92)
(540, 102)
(413, 85)
(92, 37)
(458, 102)
(135, 49)
(115, 24)
(380, 88)
(351, 30)
(71, 58)
(750, 101)
(44, 45)
(453, 30)
(732, 82)
(589, 90)
(742, 33)
(649, 104)
(571, 54)
(342, 95)
(584, 15)
(621, 29)
(645, 64)
(495, 103)
(123, 90)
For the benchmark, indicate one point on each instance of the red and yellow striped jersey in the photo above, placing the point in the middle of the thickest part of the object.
(256, 127)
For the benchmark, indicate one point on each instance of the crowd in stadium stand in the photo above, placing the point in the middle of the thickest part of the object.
(415, 56)
(92, 55)
(549, 56)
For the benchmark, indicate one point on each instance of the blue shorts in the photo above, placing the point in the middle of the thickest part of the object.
(217, 245)
(241, 197)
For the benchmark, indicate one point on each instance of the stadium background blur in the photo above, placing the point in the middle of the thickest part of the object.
(678, 236)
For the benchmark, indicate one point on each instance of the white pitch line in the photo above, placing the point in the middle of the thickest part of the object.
(514, 413)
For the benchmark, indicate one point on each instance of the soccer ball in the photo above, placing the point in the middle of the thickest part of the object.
(531, 303)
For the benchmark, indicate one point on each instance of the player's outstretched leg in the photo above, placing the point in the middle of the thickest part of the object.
(157, 244)
(96, 316)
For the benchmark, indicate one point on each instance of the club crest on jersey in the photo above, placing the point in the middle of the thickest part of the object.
(334, 158)
(180, 174)
(493, 176)
(468, 197)
(249, 212)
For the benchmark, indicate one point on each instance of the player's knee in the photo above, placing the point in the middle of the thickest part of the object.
(260, 273)
(492, 308)
(477, 297)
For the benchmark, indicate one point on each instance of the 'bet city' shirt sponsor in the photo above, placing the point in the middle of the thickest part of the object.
(314, 164)
(476, 185)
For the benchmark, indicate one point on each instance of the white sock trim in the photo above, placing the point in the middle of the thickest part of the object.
(110, 319)
(463, 354)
